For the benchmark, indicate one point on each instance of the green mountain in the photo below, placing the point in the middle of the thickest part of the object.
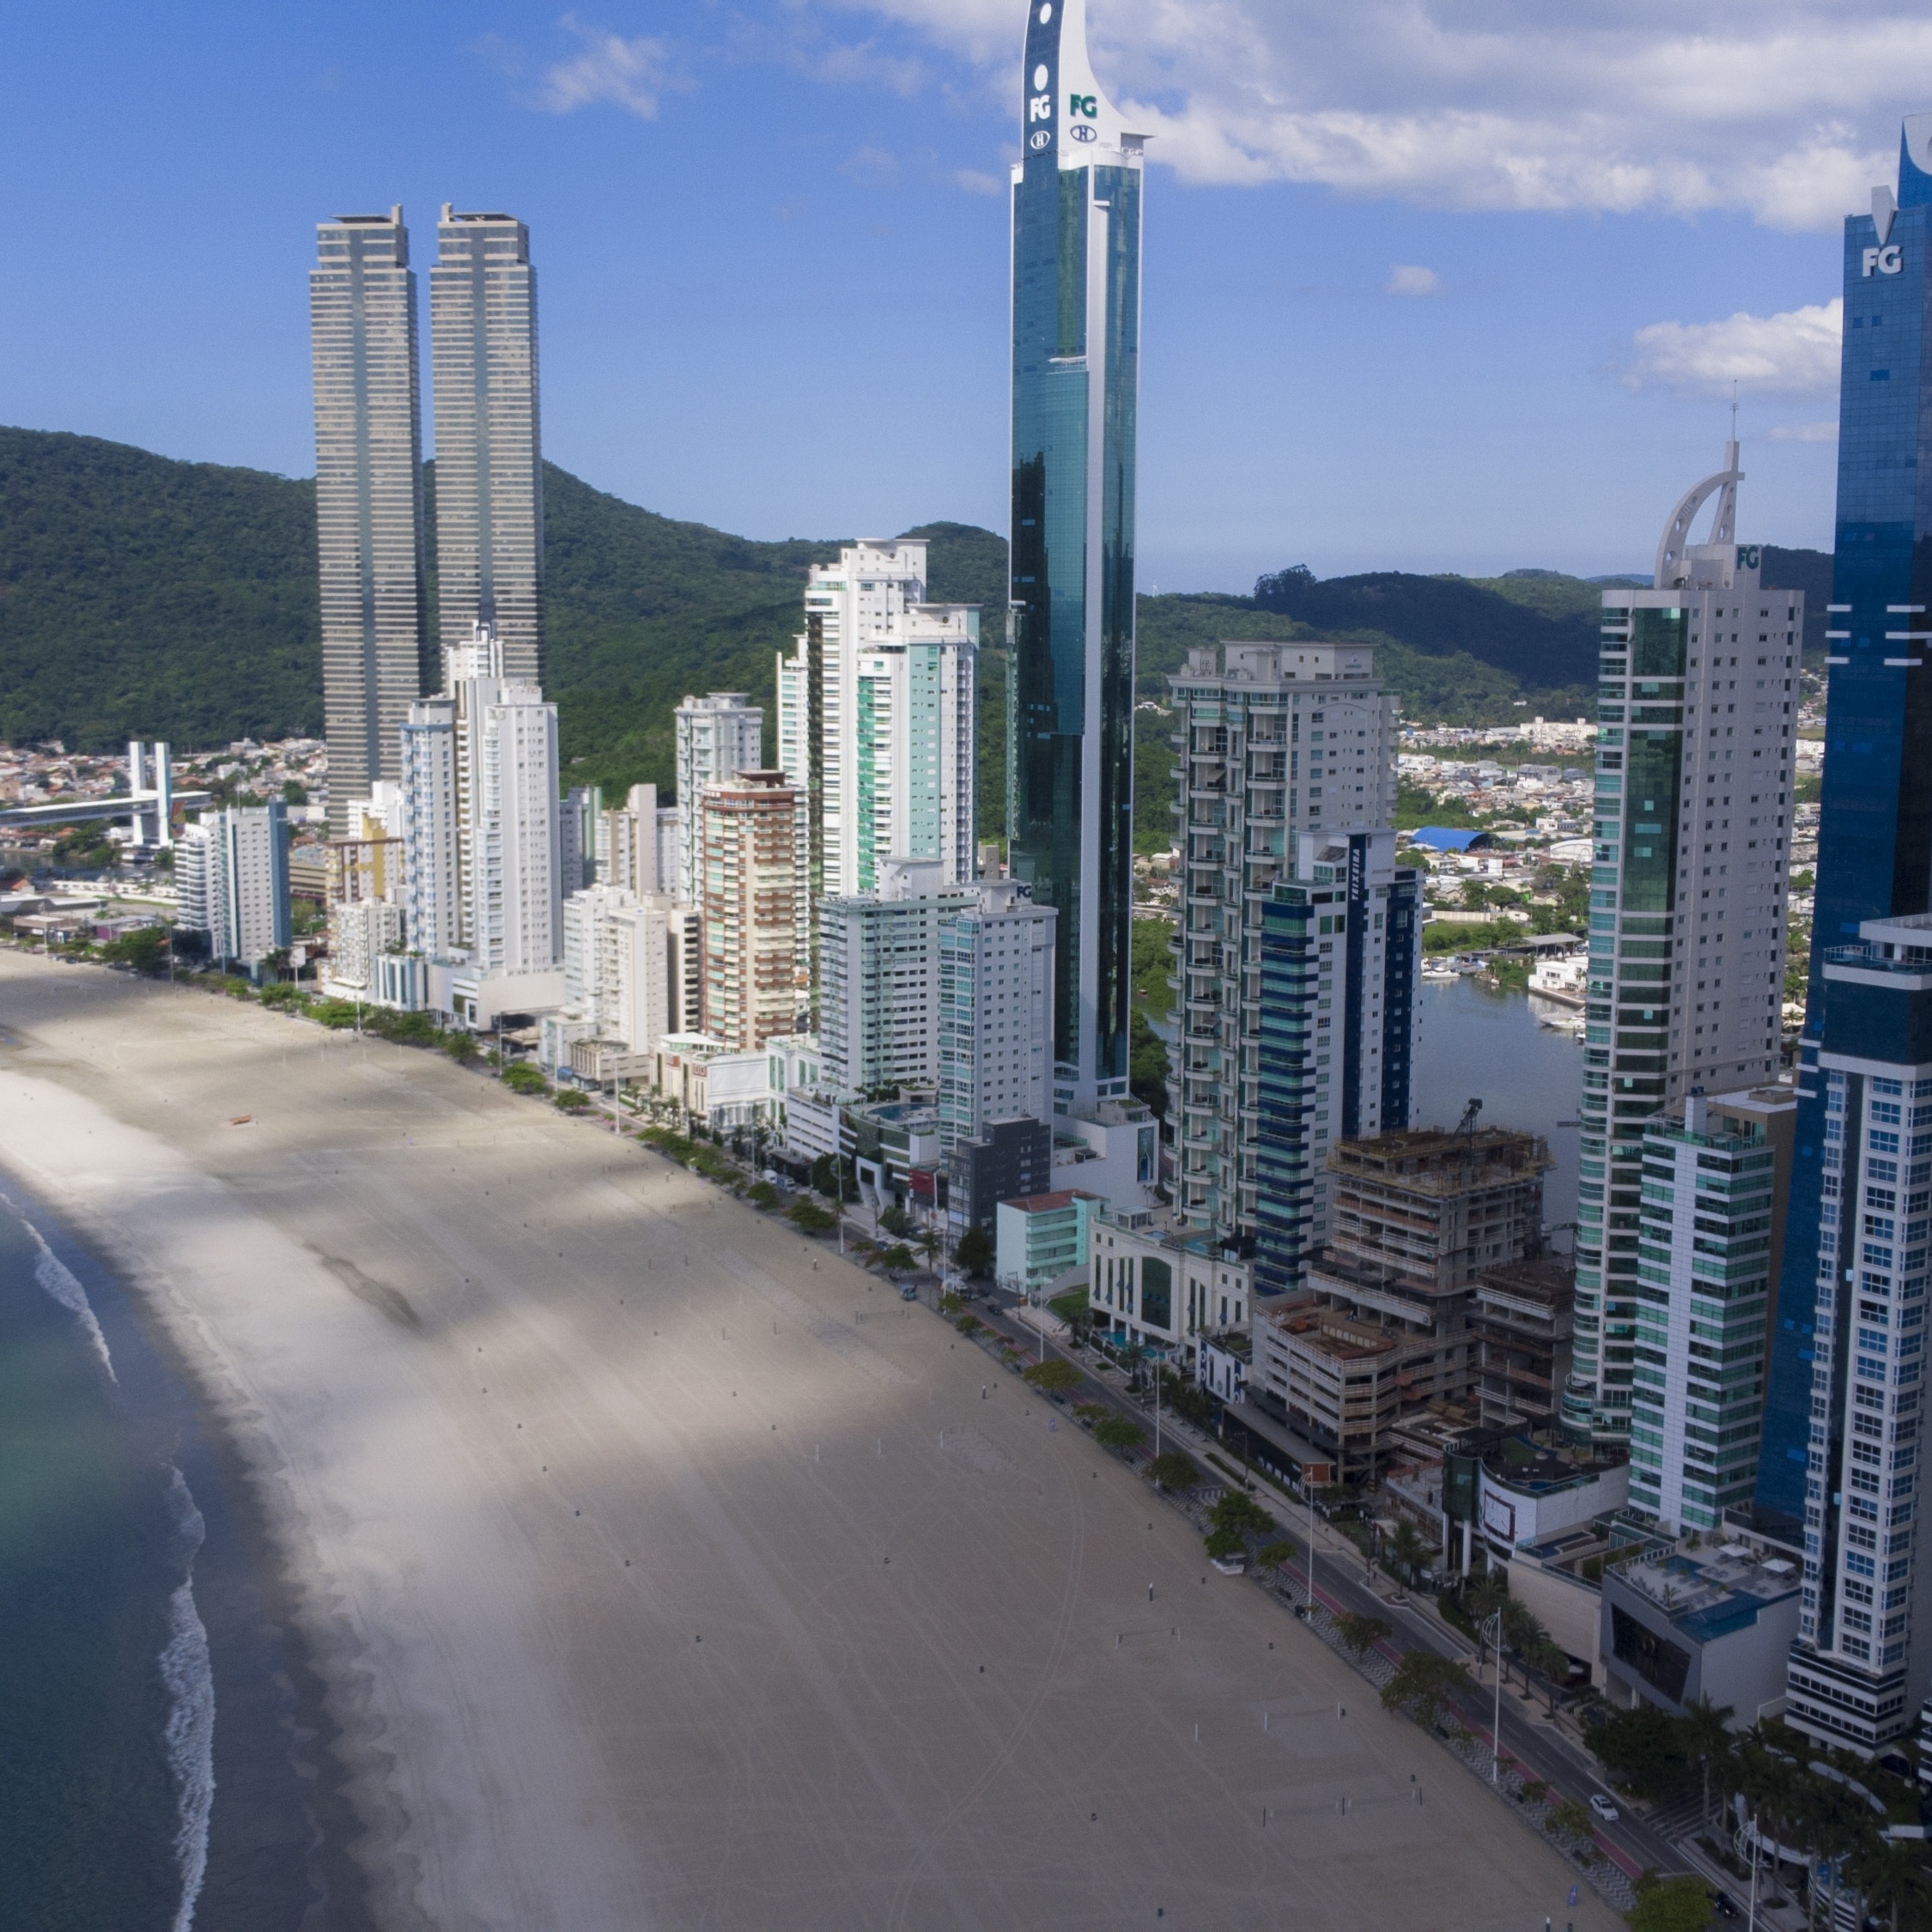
(141, 597)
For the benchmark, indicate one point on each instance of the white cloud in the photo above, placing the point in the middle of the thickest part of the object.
(1786, 110)
(1795, 353)
(1803, 432)
(628, 74)
(976, 183)
(1412, 282)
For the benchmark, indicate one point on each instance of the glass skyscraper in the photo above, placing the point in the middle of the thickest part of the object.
(1844, 1422)
(1076, 380)
(369, 498)
(490, 479)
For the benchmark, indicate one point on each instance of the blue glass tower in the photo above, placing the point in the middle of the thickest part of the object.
(1076, 383)
(1843, 1429)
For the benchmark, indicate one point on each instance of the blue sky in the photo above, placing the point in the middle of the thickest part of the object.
(772, 250)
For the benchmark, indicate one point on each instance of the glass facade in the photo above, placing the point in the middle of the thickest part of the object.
(1076, 378)
(1875, 849)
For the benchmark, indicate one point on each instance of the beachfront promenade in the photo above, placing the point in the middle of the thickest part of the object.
(667, 1571)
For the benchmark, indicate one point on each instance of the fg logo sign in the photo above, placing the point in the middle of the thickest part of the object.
(1087, 104)
(1885, 261)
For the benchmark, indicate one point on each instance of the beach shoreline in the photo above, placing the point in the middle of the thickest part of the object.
(655, 1567)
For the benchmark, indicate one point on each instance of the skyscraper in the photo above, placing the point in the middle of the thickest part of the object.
(368, 497)
(1697, 700)
(1273, 741)
(1845, 1423)
(1333, 1037)
(752, 882)
(489, 481)
(1076, 213)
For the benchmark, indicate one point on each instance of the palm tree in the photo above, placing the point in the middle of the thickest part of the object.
(1841, 1829)
(1707, 1737)
(1769, 1782)
(1408, 1547)
(1890, 1872)
(1482, 1597)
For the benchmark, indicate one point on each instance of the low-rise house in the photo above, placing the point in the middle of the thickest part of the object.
(1041, 1239)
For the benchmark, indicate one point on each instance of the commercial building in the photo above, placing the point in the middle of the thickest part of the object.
(1008, 1159)
(1693, 1623)
(1716, 1175)
(876, 720)
(1697, 696)
(995, 1012)
(490, 479)
(752, 899)
(1383, 1327)
(1273, 740)
(1162, 1287)
(716, 738)
(633, 971)
(1332, 1049)
(1076, 282)
(368, 496)
(1040, 1239)
(231, 871)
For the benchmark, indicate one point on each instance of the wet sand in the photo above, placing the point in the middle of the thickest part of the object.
(663, 1571)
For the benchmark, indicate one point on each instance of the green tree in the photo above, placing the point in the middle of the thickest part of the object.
(1644, 1748)
(897, 1259)
(520, 1076)
(1423, 1681)
(761, 1194)
(1174, 1469)
(1236, 1510)
(1117, 1432)
(571, 1100)
(1224, 1545)
(809, 1218)
(1671, 1904)
(1147, 1064)
(825, 1174)
(1052, 1375)
(146, 949)
(1276, 1555)
(1890, 1872)
(975, 1252)
(1360, 1634)
(1707, 1741)
(1407, 1549)
(1073, 1308)
(895, 1221)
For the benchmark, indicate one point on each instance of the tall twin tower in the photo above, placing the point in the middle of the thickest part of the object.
(378, 651)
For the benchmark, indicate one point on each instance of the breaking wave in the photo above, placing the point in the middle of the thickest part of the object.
(190, 1680)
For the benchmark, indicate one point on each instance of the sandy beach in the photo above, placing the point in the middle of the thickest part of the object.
(663, 1571)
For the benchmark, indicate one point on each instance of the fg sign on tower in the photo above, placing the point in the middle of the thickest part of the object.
(1889, 260)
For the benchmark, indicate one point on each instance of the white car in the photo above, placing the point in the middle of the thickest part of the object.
(1603, 1807)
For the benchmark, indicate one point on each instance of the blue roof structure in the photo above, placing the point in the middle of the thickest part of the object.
(1442, 838)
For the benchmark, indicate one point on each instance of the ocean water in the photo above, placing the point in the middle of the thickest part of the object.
(152, 1757)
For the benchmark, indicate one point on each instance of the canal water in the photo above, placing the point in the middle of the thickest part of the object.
(1472, 1044)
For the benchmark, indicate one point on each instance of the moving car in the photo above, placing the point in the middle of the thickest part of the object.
(1603, 1807)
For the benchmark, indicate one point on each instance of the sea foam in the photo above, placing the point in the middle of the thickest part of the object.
(189, 1678)
(57, 1280)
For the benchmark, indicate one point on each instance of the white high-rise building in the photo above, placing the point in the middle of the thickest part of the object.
(876, 720)
(996, 1005)
(718, 737)
(1695, 742)
(631, 843)
(878, 980)
(633, 966)
(482, 888)
(232, 877)
(432, 872)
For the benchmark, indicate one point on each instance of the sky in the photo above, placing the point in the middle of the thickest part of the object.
(1428, 284)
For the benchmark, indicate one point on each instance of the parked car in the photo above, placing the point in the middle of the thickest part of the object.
(1603, 1807)
(1723, 1905)
(908, 1292)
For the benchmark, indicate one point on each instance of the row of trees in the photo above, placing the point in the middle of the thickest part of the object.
(1797, 1802)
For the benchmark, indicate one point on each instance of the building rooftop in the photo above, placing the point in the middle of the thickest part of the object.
(1708, 1592)
(1045, 1204)
(1436, 1161)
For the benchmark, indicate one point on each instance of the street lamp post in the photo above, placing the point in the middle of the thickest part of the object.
(1492, 1631)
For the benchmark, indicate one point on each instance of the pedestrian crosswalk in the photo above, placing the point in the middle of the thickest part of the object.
(1677, 1817)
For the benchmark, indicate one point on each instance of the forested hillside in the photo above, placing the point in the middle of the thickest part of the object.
(142, 596)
